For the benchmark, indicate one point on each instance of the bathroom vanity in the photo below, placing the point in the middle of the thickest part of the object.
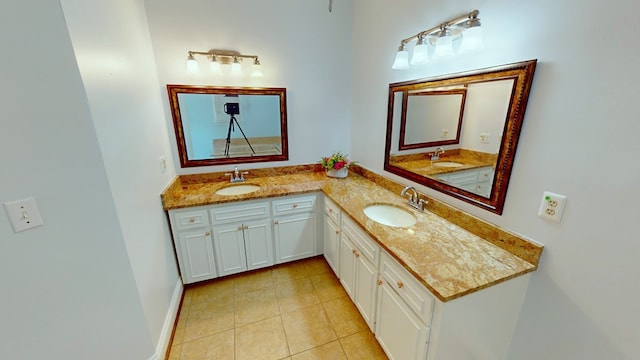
(433, 290)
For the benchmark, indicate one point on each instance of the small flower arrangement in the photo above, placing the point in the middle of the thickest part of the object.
(336, 161)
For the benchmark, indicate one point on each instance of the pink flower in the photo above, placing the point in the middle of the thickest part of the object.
(339, 165)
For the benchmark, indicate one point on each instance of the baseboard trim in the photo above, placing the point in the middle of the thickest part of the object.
(169, 322)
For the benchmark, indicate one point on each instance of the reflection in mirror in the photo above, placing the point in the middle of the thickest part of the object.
(223, 125)
(431, 118)
(487, 107)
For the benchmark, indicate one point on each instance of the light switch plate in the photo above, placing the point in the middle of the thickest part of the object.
(24, 214)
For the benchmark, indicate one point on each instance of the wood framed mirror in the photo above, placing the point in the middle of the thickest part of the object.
(476, 164)
(229, 125)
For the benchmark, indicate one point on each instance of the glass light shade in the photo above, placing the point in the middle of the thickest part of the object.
(236, 69)
(214, 67)
(256, 71)
(444, 47)
(192, 66)
(402, 60)
(472, 39)
(420, 54)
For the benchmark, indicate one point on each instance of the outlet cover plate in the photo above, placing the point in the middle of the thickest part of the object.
(552, 206)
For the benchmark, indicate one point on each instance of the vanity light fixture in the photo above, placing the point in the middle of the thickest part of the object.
(221, 58)
(441, 37)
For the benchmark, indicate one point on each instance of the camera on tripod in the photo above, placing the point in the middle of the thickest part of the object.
(232, 108)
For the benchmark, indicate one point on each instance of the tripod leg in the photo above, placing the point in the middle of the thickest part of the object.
(245, 137)
(227, 146)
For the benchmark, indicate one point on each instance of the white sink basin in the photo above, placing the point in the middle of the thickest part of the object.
(238, 189)
(390, 215)
(447, 164)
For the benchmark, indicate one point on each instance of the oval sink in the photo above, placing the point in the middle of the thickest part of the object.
(390, 215)
(238, 189)
(447, 164)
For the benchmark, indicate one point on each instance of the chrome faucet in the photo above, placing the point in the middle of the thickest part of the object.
(237, 175)
(436, 154)
(414, 199)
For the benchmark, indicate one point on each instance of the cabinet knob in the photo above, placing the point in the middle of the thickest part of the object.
(207, 233)
(275, 222)
(330, 210)
(379, 282)
(192, 220)
(400, 284)
(337, 232)
(295, 206)
(357, 254)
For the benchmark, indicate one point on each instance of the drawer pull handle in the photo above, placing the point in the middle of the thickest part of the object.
(275, 222)
(192, 220)
(207, 233)
(379, 282)
(353, 251)
(400, 284)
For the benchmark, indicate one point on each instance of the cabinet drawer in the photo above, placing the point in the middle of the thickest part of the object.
(189, 219)
(416, 296)
(485, 174)
(292, 205)
(332, 210)
(241, 212)
(367, 247)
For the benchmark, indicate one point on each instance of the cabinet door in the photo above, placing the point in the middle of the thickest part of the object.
(332, 245)
(295, 237)
(366, 277)
(230, 252)
(399, 331)
(196, 255)
(348, 267)
(258, 243)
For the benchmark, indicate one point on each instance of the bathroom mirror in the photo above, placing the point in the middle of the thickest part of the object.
(431, 117)
(476, 164)
(229, 125)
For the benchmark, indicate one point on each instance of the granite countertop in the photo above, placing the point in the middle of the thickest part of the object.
(449, 260)
(423, 165)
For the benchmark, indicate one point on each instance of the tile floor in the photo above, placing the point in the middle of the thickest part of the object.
(294, 311)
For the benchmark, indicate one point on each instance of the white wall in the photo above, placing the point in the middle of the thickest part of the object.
(113, 49)
(300, 44)
(68, 289)
(578, 139)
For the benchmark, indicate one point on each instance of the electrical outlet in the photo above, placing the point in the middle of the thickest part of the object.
(163, 164)
(485, 138)
(552, 206)
(445, 133)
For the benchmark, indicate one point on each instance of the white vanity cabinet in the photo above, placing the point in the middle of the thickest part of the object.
(194, 248)
(331, 233)
(295, 227)
(404, 312)
(476, 180)
(242, 237)
(359, 256)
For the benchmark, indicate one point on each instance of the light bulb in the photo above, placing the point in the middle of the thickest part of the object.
(236, 68)
(257, 69)
(402, 58)
(444, 47)
(214, 66)
(192, 65)
(420, 53)
(472, 39)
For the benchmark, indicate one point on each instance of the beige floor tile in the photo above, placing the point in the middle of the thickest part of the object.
(307, 328)
(264, 340)
(332, 350)
(214, 347)
(255, 280)
(181, 323)
(209, 318)
(327, 286)
(290, 271)
(317, 265)
(212, 290)
(255, 306)
(296, 294)
(362, 346)
(344, 316)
